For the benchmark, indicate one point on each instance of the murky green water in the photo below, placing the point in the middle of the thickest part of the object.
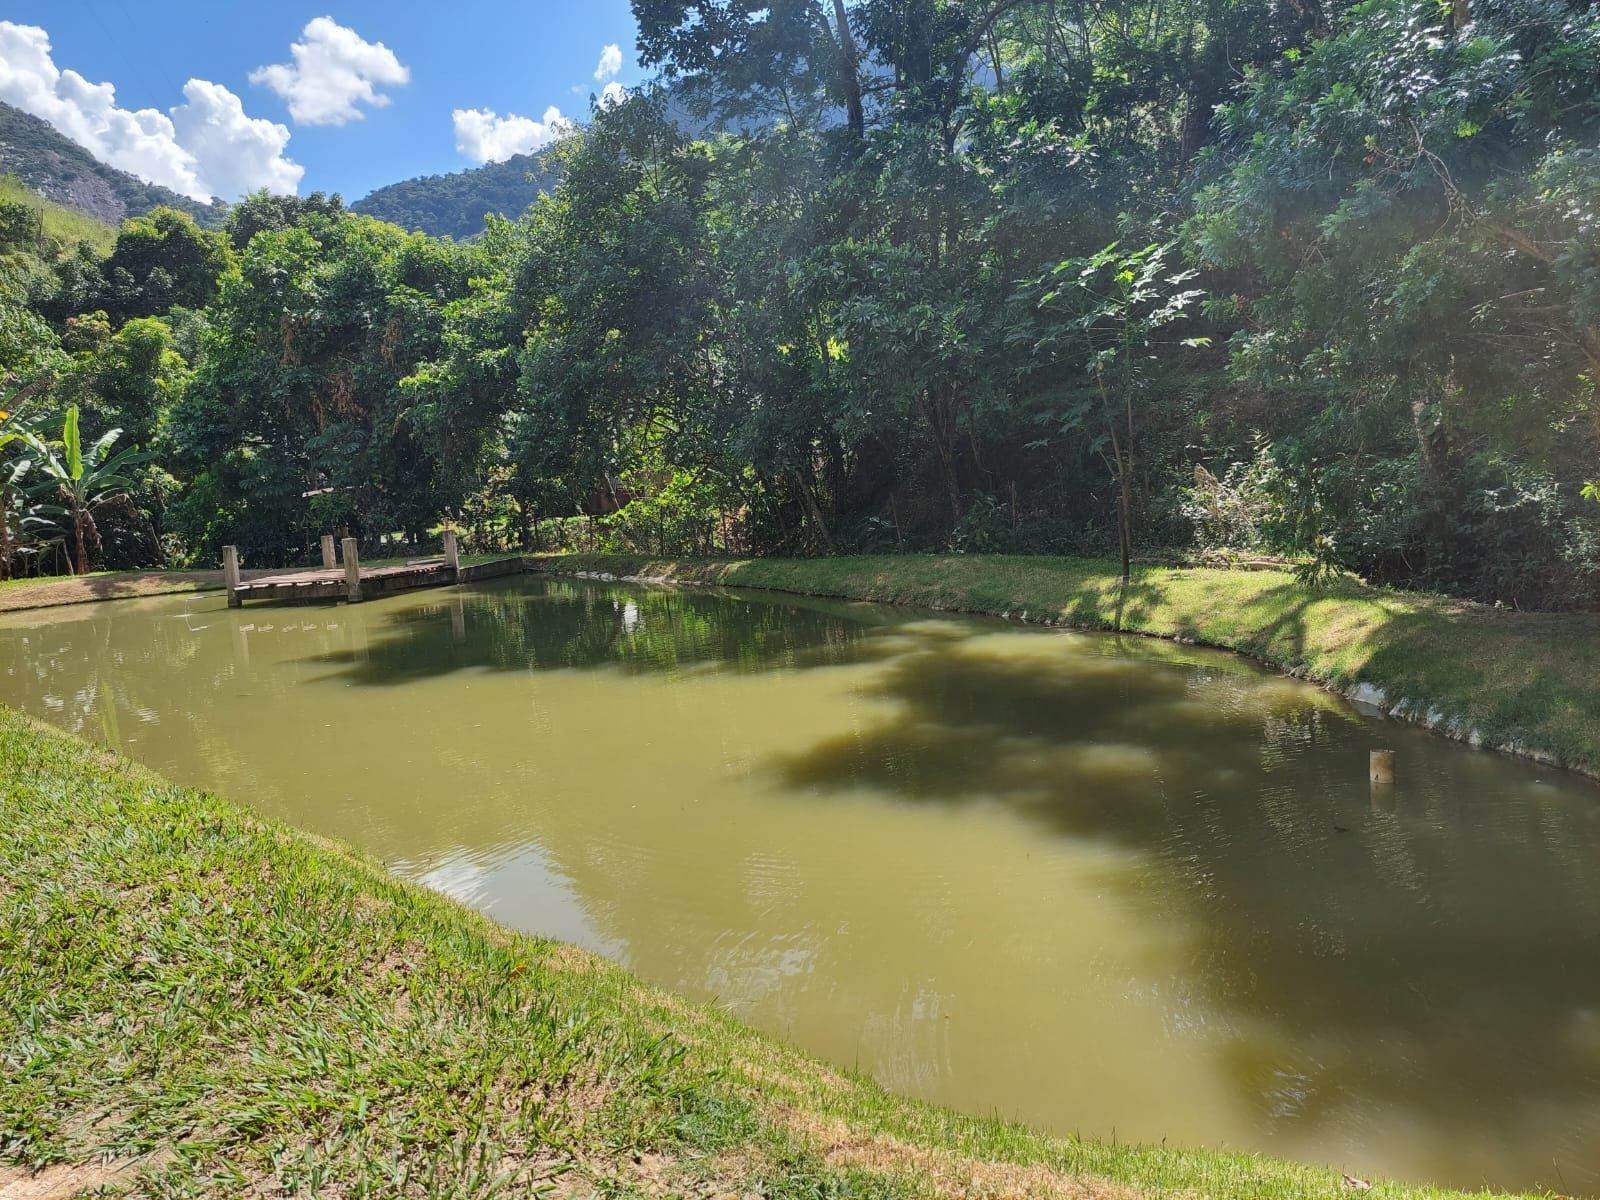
(1106, 886)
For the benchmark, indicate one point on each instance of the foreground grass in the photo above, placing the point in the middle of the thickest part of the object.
(1523, 681)
(194, 1002)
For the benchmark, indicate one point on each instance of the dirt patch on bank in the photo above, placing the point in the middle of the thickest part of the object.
(120, 585)
(949, 1173)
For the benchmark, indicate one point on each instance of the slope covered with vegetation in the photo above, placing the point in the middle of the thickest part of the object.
(1316, 281)
(66, 228)
(57, 168)
(201, 1003)
(456, 205)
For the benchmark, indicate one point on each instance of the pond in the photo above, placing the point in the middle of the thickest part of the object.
(1109, 886)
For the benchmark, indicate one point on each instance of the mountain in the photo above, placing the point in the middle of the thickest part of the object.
(59, 169)
(455, 204)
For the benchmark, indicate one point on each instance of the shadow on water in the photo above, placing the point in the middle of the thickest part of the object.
(553, 625)
(1434, 946)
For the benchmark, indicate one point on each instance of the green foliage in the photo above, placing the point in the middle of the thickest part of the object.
(901, 274)
(1415, 205)
(62, 228)
(161, 261)
(318, 324)
(459, 204)
(86, 480)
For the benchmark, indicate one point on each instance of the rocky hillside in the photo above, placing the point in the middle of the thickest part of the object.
(59, 169)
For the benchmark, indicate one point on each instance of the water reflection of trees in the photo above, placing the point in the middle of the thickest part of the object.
(1433, 948)
(562, 624)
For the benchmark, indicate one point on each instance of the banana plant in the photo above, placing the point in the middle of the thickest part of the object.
(15, 426)
(86, 481)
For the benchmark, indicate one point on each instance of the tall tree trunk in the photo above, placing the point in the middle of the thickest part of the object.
(939, 420)
(849, 70)
(1122, 455)
(814, 511)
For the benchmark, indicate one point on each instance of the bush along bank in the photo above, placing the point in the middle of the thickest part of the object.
(1524, 683)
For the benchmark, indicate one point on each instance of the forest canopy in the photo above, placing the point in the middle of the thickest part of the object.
(1203, 277)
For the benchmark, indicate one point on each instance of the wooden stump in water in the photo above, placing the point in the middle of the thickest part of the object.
(1380, 766)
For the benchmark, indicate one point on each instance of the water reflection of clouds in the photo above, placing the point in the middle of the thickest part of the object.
(519, 885)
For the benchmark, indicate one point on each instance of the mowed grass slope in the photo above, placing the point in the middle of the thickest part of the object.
(1528, 681)
(194, 1002)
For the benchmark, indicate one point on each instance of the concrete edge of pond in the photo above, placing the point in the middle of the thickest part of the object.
(1369, 698)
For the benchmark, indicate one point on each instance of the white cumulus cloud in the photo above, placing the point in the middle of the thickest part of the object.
(610, 63)
(612, 93)
(334, 72)
(203, 148)
(483, 135)
(236, 153)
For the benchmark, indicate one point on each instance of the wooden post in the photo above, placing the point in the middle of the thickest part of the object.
(352, 571)
(230, 575)
(452, 553)
(329, 562)
(1380, 764)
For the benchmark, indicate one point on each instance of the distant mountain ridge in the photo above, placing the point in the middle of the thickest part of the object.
(455, 204)
(59, 169)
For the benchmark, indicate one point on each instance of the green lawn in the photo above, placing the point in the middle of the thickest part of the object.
(200, 1003)
(1531, 680)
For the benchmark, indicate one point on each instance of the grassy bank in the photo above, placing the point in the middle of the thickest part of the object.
(1528, 682)
(194, 1002)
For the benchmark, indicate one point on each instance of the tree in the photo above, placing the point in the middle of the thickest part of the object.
(17, 425)
(1111, 307)
(86, 481)
(160, 260)
(1404, 224)
(295, 418)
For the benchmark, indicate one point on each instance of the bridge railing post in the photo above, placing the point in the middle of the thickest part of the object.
(329, 562)
(452, 553)
(230, 575)
(352, 570)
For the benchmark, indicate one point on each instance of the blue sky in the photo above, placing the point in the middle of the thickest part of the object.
(503, 64)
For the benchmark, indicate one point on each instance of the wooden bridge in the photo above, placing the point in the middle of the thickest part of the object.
(351, 582)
